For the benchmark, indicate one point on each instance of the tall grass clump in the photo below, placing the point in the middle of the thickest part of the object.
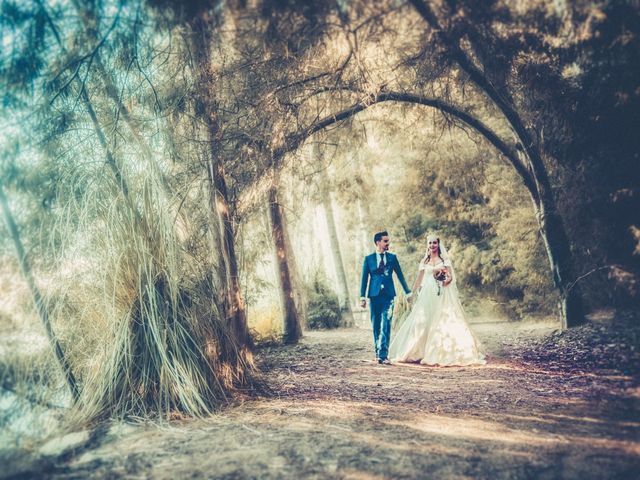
(140, 318)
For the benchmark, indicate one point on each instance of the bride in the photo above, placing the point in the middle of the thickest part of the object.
(435, 332)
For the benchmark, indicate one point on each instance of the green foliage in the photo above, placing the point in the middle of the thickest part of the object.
(324, 308)
(417, 225)
(481, 212)
(576, 68)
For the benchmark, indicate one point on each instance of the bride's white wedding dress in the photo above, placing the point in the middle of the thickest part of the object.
(435, 332)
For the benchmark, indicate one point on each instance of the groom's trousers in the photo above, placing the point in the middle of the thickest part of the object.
(381, 307)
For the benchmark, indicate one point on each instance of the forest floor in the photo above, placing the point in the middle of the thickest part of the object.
(548, 404)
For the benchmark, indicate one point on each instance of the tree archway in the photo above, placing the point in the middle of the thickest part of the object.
(550, 225)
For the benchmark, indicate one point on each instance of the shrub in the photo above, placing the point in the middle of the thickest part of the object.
(324, 307)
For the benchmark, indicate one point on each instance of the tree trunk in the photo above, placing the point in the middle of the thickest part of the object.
(206, 110)
(37, 297)
(343, 287)
(559, 255)
(235, 308)
(299, 296)
(292, 328)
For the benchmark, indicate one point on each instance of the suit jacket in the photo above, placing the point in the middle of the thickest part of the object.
(377, 280)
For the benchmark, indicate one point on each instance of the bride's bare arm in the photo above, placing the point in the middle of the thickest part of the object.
(418, 281)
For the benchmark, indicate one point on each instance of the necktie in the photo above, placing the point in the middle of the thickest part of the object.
(381, 266)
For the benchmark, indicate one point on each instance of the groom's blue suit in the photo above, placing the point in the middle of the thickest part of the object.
(381, 294)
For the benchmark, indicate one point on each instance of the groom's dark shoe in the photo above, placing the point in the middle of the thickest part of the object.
(380, 361)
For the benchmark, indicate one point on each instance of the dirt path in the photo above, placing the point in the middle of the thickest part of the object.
(334, 413)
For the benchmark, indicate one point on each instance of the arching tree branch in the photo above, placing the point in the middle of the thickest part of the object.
(296, 139)
(551, 224)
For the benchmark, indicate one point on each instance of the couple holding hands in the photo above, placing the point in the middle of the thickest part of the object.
(435, 331)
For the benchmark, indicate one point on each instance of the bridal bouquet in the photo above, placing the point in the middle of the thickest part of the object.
(440, 276)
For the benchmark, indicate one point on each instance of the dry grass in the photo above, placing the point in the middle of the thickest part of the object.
(165, 346)
(136, 309)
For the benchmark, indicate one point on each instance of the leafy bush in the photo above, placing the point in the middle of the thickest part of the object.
(324, 307)
(481, 212)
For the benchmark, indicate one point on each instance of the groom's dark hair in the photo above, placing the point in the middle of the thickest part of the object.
(378, 236)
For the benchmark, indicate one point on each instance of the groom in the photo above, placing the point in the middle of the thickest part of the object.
(377, 272)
